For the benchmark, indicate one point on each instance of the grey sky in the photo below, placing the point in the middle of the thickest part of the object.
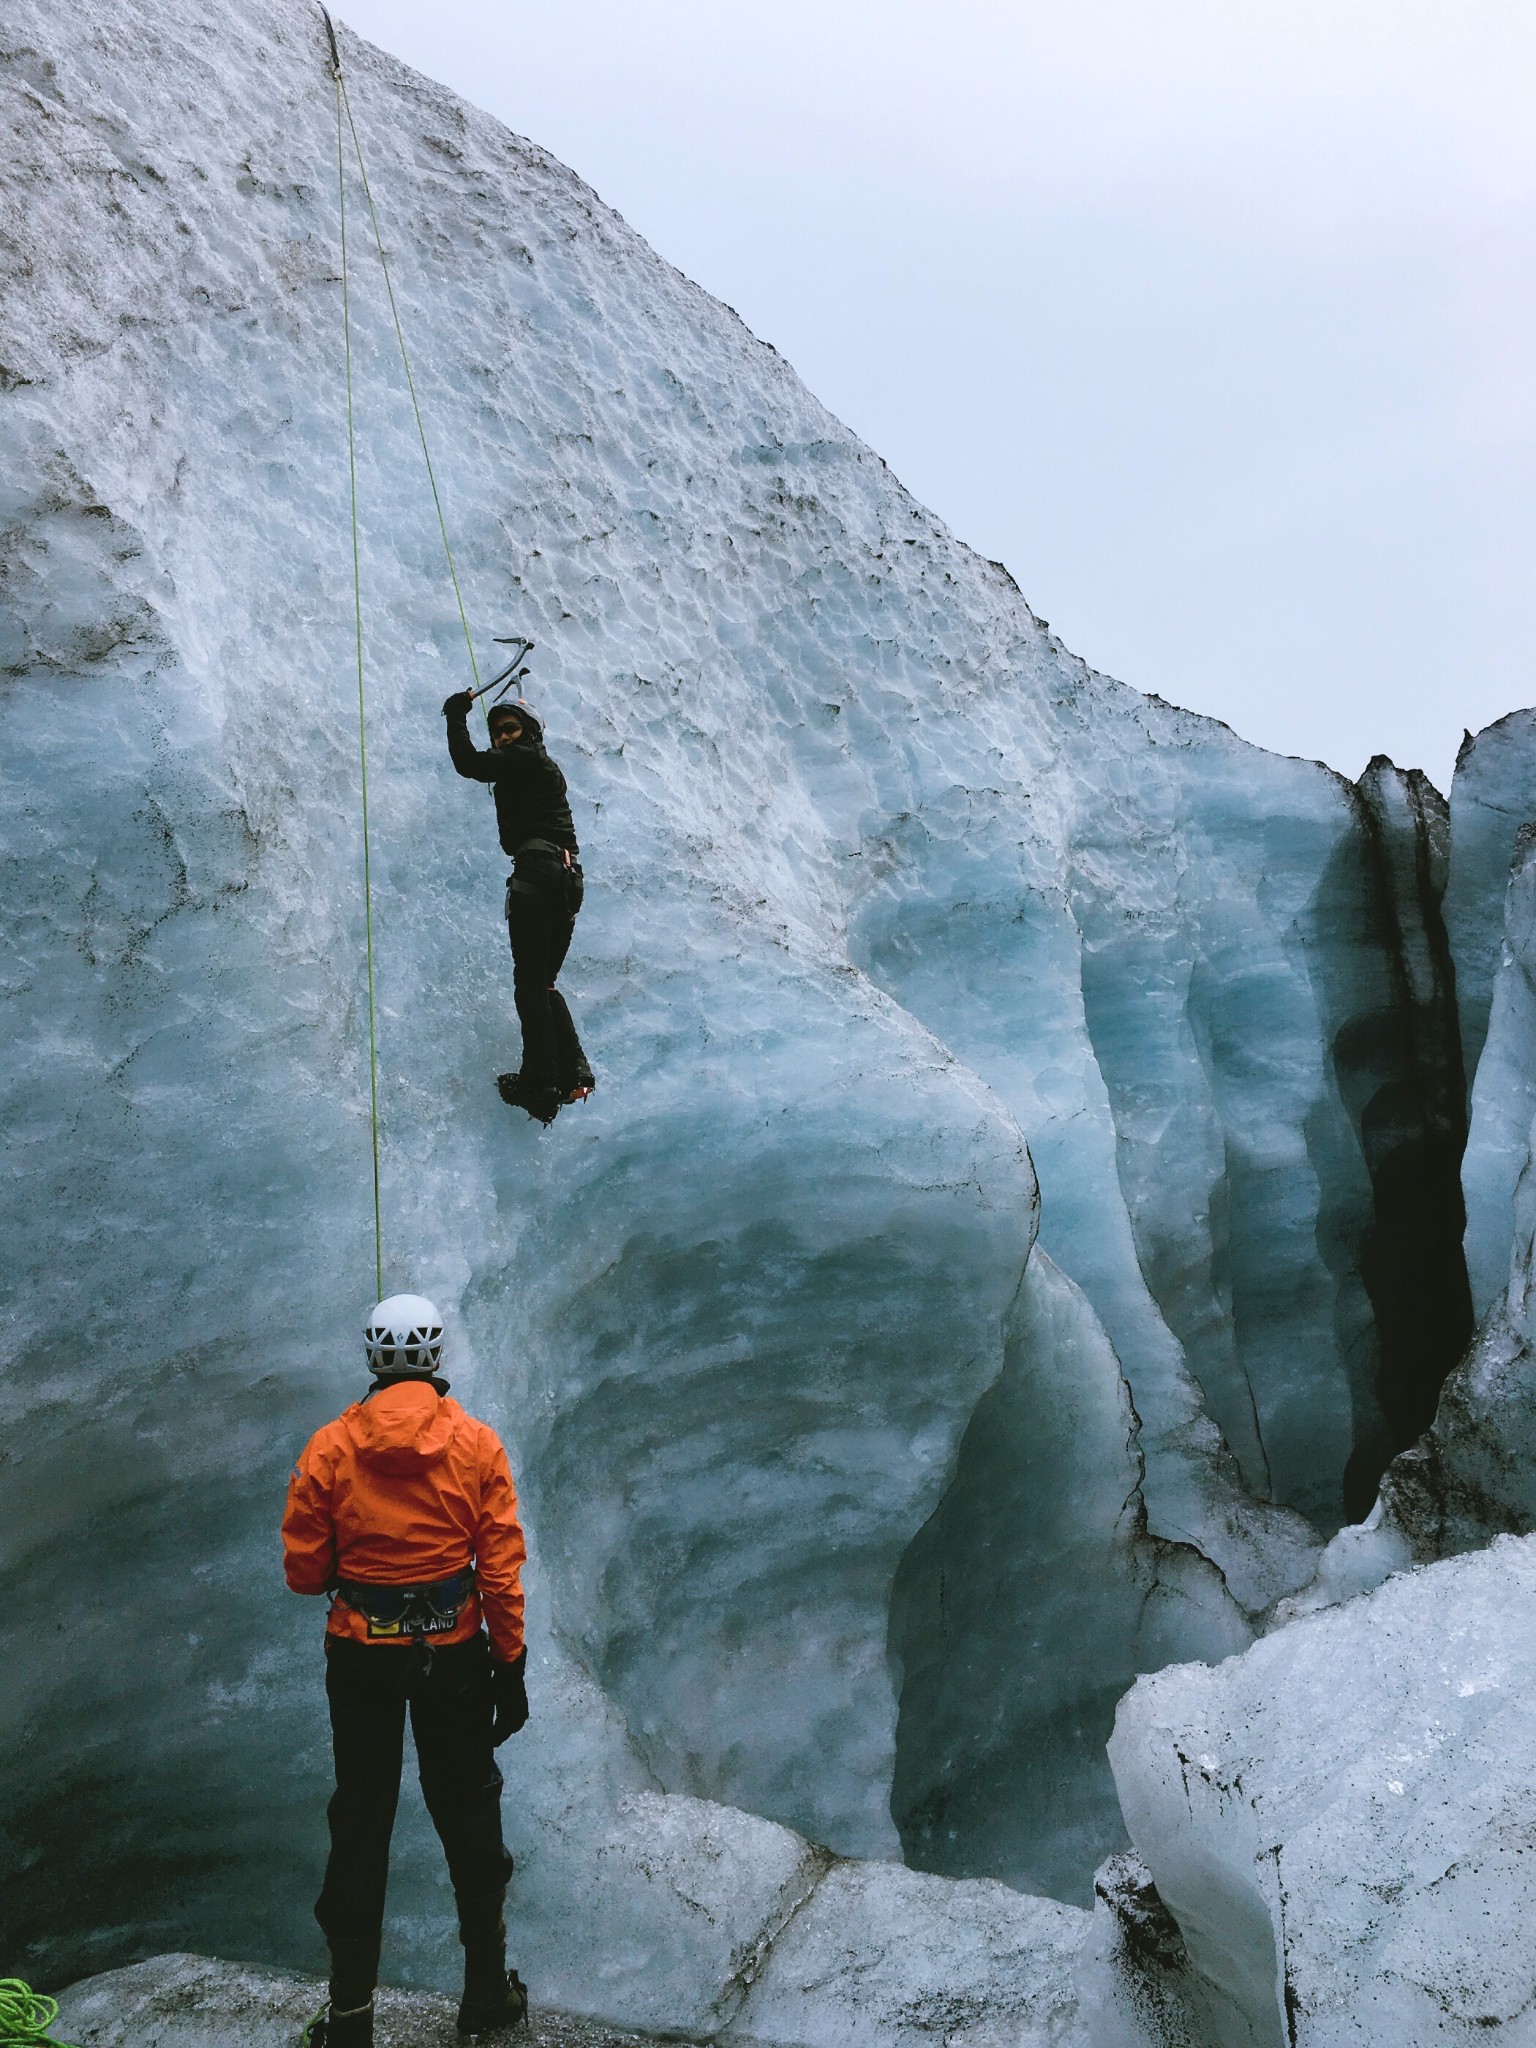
(1211, 318)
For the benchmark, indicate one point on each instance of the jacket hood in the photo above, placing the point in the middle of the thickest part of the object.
(403, 1428)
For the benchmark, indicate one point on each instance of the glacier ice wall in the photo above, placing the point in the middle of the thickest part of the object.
(1474, 1473)
(894, 906)
(1341, 1819)
(1467, 1477)
(1492, 796)
(1025, 1601)
(1398, 1058)
(1494, 803)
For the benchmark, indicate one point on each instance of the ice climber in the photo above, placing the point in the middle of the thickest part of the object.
(544, 893)
(403, 1510)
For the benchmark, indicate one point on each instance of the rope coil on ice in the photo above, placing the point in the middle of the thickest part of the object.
(26, 2015)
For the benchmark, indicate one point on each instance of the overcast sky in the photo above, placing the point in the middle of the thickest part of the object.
(1213, 319)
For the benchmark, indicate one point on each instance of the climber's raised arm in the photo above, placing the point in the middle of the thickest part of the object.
(470, 760)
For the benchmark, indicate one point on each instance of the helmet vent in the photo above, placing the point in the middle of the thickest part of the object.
(404, 1334)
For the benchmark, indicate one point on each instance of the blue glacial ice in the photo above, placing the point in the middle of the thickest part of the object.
(1492, 796)
(1473, 1475)
(1341, 1819)
(1489, 903)
(1001, 1072)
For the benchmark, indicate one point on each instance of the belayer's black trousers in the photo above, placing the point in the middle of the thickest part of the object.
(540, 926)
(371, 1687)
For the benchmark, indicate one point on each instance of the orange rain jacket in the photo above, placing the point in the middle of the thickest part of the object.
(402, 1489)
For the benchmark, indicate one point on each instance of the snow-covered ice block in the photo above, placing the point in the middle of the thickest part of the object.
(882, 1957)
(1343, 1819)
(1136, 1985)
(655, 1916)
(874, 1957)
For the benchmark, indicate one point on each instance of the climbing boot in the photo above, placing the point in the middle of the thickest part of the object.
(331, 2028)
(494, 1996)
(346, 2019)
(542, 1104)
(500, 2001)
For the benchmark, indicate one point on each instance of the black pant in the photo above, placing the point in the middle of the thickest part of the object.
(370, 1686)
(541, 917)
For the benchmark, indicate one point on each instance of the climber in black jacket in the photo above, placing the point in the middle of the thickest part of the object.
(544, 893)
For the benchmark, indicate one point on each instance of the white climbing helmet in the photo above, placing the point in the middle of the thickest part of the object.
(404, 1334)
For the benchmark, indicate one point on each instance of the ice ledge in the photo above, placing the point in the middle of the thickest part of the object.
(186, 2001)
(872, 1956)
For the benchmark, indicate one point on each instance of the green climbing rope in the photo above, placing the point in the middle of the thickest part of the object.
(410, 381)
(26, 2015)
(362, 708)
(344, 109)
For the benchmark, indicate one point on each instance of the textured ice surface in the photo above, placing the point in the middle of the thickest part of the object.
(1136, 1985)
(1474, 1473)
(1356, 1561)
(1470, 1477)
(1399, 1061)
(879, 1957)
(1343, 1820)
(886, 891)
(1493, 793)
(643, 1905)
(1026, 1606)
(1504, 1092)
(888, 1958)
(187, 2001)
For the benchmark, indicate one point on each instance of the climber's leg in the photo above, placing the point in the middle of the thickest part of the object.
(531, 930)
(575, 1071)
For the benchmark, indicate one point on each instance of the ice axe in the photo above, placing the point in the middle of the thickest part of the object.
(514, 671)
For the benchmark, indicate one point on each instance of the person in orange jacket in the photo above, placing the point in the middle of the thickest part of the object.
(403, 1511)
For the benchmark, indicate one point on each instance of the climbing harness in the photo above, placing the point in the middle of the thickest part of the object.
(569, 883)
(26, 2015)
(409, 1613)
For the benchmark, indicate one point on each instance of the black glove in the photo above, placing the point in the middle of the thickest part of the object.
(509, 1699)
(457, 706)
